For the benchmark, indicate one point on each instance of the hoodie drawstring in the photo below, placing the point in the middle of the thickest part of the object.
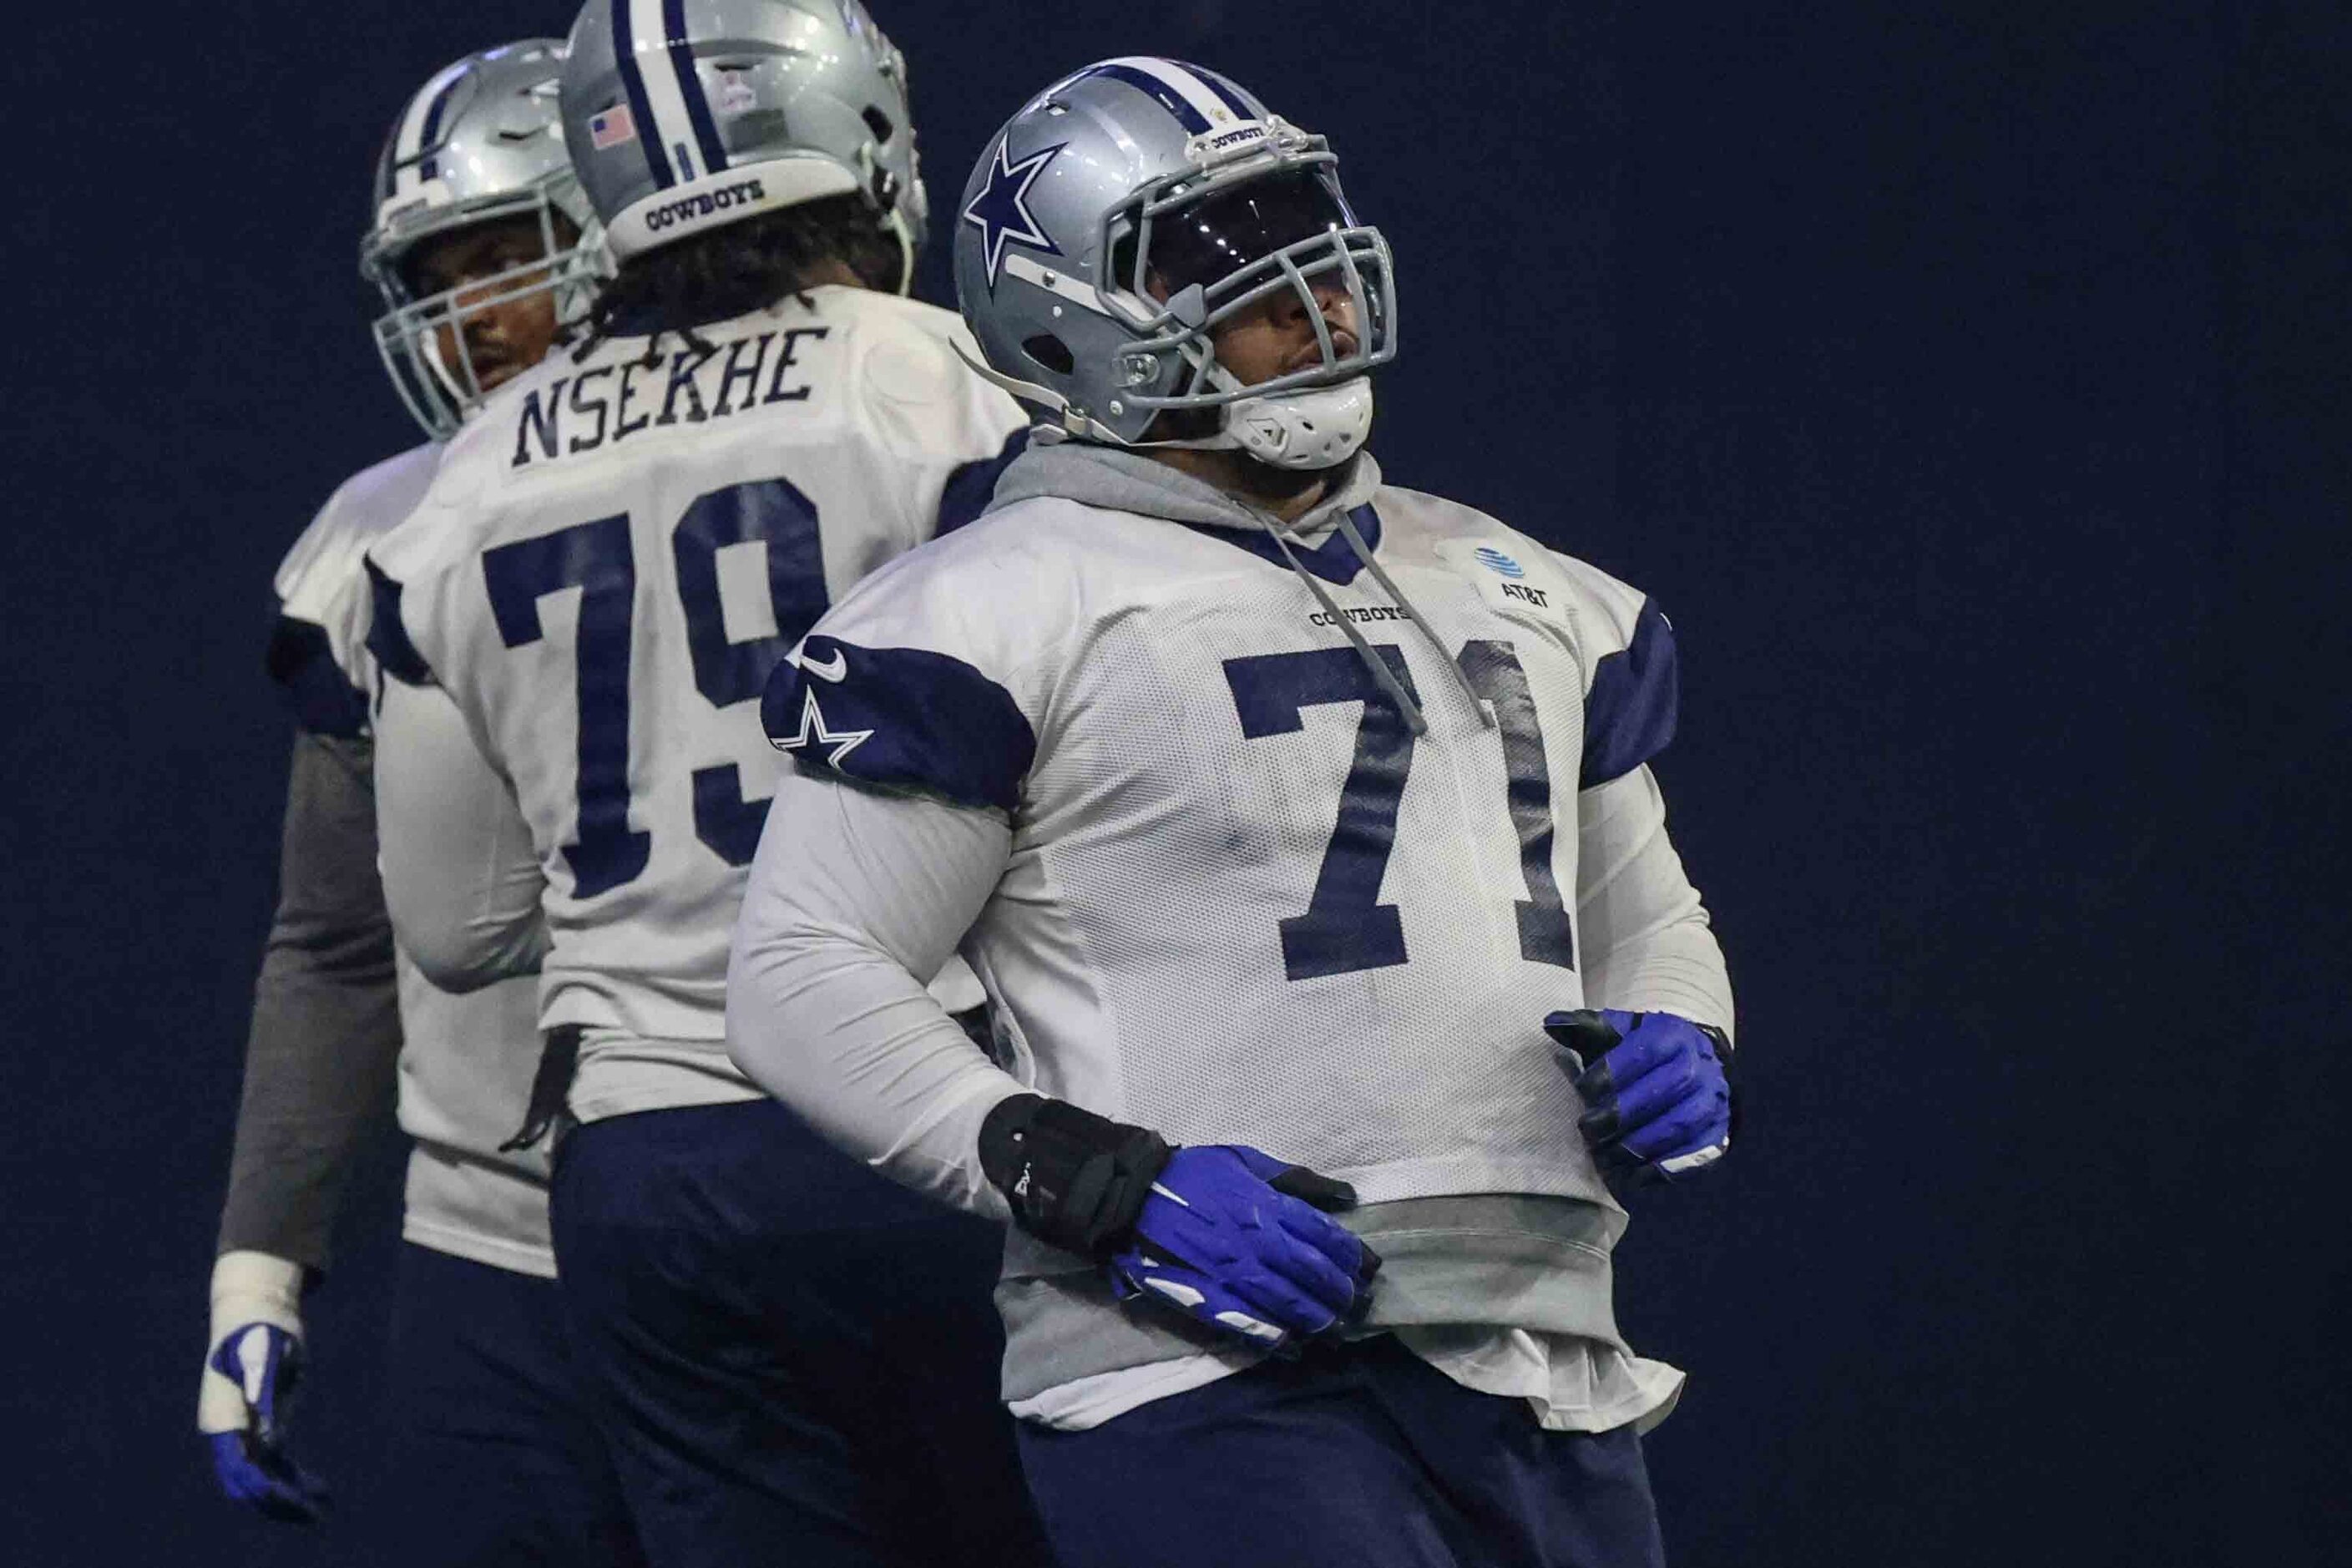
(1382, 673)
(1372, 661)
(1388, 585)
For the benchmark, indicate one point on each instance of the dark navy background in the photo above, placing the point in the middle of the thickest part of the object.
(1968, 381)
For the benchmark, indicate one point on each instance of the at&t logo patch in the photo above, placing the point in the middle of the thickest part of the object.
(1518, 588)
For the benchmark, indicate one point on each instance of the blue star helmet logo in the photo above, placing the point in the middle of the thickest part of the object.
(1001, 210)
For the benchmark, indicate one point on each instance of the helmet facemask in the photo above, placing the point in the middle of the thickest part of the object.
(416, 334)
(1198, 249)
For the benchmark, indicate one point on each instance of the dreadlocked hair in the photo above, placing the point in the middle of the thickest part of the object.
(742, 268)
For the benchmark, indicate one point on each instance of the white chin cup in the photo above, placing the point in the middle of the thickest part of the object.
(1318, 427)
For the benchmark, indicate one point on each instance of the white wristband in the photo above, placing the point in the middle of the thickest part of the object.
(247, 1287)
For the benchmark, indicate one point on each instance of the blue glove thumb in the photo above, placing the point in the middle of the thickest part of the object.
(1656, 1088)
(1586, 1035)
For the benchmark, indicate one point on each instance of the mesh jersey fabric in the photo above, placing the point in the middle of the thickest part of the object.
(614, 554)
(1243, 904)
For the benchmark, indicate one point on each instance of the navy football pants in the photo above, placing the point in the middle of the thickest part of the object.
(494, 1451)
(796, 1359)
(1356, 1456)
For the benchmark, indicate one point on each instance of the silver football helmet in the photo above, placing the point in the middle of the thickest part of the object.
(481, 142)
(1125, 214)
(733, 108)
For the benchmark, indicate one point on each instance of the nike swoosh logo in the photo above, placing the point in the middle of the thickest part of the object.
(833, 671)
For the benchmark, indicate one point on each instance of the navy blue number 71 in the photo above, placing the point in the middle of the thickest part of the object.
(1345, 927)
(598, 559)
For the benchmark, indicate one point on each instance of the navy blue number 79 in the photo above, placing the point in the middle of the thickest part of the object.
(598, 559)
(1346, 927)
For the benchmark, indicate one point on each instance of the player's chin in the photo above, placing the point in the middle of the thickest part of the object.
(489, 377)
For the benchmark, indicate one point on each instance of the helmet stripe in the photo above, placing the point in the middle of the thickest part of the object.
(1227, 93)
(652, 59)
(633, 83)
(689, 87)
(1151, 76)
(421, 123)
(430, 168)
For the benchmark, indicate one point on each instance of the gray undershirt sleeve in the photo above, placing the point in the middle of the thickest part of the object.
(855, 898)
(1646, 943)
(320, 1059)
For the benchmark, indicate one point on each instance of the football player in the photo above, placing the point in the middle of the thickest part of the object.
(1301, 830)
(795, 1355)
(476, 249)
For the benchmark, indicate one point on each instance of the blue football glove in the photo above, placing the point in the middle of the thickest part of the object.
(249, 1373)
(1238, 1240)
(1656, 1090)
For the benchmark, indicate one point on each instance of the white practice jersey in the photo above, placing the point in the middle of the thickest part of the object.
(318, 650)
(616, 554)
(1246, 902)
(465, 1062)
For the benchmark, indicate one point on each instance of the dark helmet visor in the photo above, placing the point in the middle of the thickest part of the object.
(1232, 228)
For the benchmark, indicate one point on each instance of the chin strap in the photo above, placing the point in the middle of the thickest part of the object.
(896, 223)
(880, 188)
(1067, 422)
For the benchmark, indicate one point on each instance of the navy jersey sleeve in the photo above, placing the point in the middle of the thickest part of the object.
(322, 698)
(901, 717)
(388, 638)
(928, 677)
(1630, 713)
